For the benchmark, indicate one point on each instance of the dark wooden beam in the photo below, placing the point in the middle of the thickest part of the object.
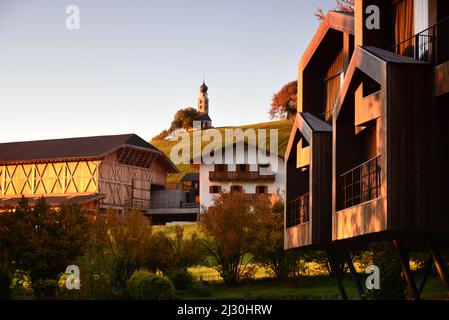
(439, 264)
(427, 268)
(405, 263)
(336, 272)
(354, 274)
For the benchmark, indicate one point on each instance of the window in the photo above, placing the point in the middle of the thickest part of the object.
(404, 26)
(261, 189)
(236, 189)
(220, 168)
(242, 167)
(214, 189)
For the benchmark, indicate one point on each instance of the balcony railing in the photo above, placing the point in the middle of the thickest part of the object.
(298, 211)
(236, 175)
(360, 184)
(430, 45)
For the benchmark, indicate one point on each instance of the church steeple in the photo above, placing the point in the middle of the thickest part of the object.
(203, 100)
(203, 107)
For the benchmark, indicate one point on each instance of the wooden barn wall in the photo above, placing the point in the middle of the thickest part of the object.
(128, 186)
(50, 178)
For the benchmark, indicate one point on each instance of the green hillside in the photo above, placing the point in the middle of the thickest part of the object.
(284, 127)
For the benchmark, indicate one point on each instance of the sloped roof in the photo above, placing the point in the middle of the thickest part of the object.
(71, 148)
(205, 117)
(191, 177)
(317, 125)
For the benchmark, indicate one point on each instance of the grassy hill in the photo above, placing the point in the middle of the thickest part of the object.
(284, 127)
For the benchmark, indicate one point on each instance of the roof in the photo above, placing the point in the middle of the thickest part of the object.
(307, 124)
(191, 177)
(71, 148)
(205, 117)
(317, 125)
(392, 57)
(52, 200)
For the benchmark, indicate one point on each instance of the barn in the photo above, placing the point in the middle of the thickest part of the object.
(99, 173)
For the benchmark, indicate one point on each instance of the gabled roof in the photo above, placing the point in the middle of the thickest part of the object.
(307, 124)
(71, 148)
(191, 177)
(334, 20)
(373, 62)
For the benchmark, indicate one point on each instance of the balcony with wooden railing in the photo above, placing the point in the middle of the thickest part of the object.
(298, 211)
(360, 184)
(240, 176)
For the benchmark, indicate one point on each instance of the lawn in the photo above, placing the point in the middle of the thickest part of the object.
(283, 126)
(303, 288)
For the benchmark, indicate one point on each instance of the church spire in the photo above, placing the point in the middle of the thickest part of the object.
(203, 106)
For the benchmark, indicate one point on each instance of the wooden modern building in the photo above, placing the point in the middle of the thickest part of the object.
(308, 219)
(390, 169)
(101, 172)
(388, 121)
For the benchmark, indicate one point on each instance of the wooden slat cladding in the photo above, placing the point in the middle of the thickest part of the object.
(313, 182)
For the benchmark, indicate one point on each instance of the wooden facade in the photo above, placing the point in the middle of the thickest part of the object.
(101, 172)
(309, 153)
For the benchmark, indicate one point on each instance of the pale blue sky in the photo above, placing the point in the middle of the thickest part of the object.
(134, 63)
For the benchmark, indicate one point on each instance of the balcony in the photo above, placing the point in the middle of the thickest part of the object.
(240, 176)
(360, 184)
(298, 211)
(430, 45)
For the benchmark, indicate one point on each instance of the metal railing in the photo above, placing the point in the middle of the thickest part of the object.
(298, 211)
(360, 184)
(430, 45)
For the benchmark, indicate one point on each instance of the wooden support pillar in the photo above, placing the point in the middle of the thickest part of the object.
(427, 268)
(439, 264)
(405, 263)
(354, 274)
(336, 272)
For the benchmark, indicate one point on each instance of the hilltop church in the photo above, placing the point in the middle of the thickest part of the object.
(203, 107)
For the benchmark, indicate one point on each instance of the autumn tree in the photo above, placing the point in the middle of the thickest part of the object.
(177, 253)
(182, 120)
(124, 237)
(41, 240)
(268, 242)
(228, 226)
(284, 102)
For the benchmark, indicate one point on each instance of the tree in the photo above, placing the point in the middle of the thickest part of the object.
(268, 245)
(161, 136)
(41, 240)
(176, 253)
(341, 5)
(284, 102)
(184, 118)
(123, 238)
(228, 226)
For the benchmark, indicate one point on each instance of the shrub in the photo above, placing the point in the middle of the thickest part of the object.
(5, 282)
(392, 285)
(45, 289)
(181, 279)
(149, 286)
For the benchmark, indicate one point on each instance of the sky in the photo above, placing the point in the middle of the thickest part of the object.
(134, 63)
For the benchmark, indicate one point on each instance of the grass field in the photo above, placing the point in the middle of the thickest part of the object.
(317, 284)
(303, 288)
(283, 126)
